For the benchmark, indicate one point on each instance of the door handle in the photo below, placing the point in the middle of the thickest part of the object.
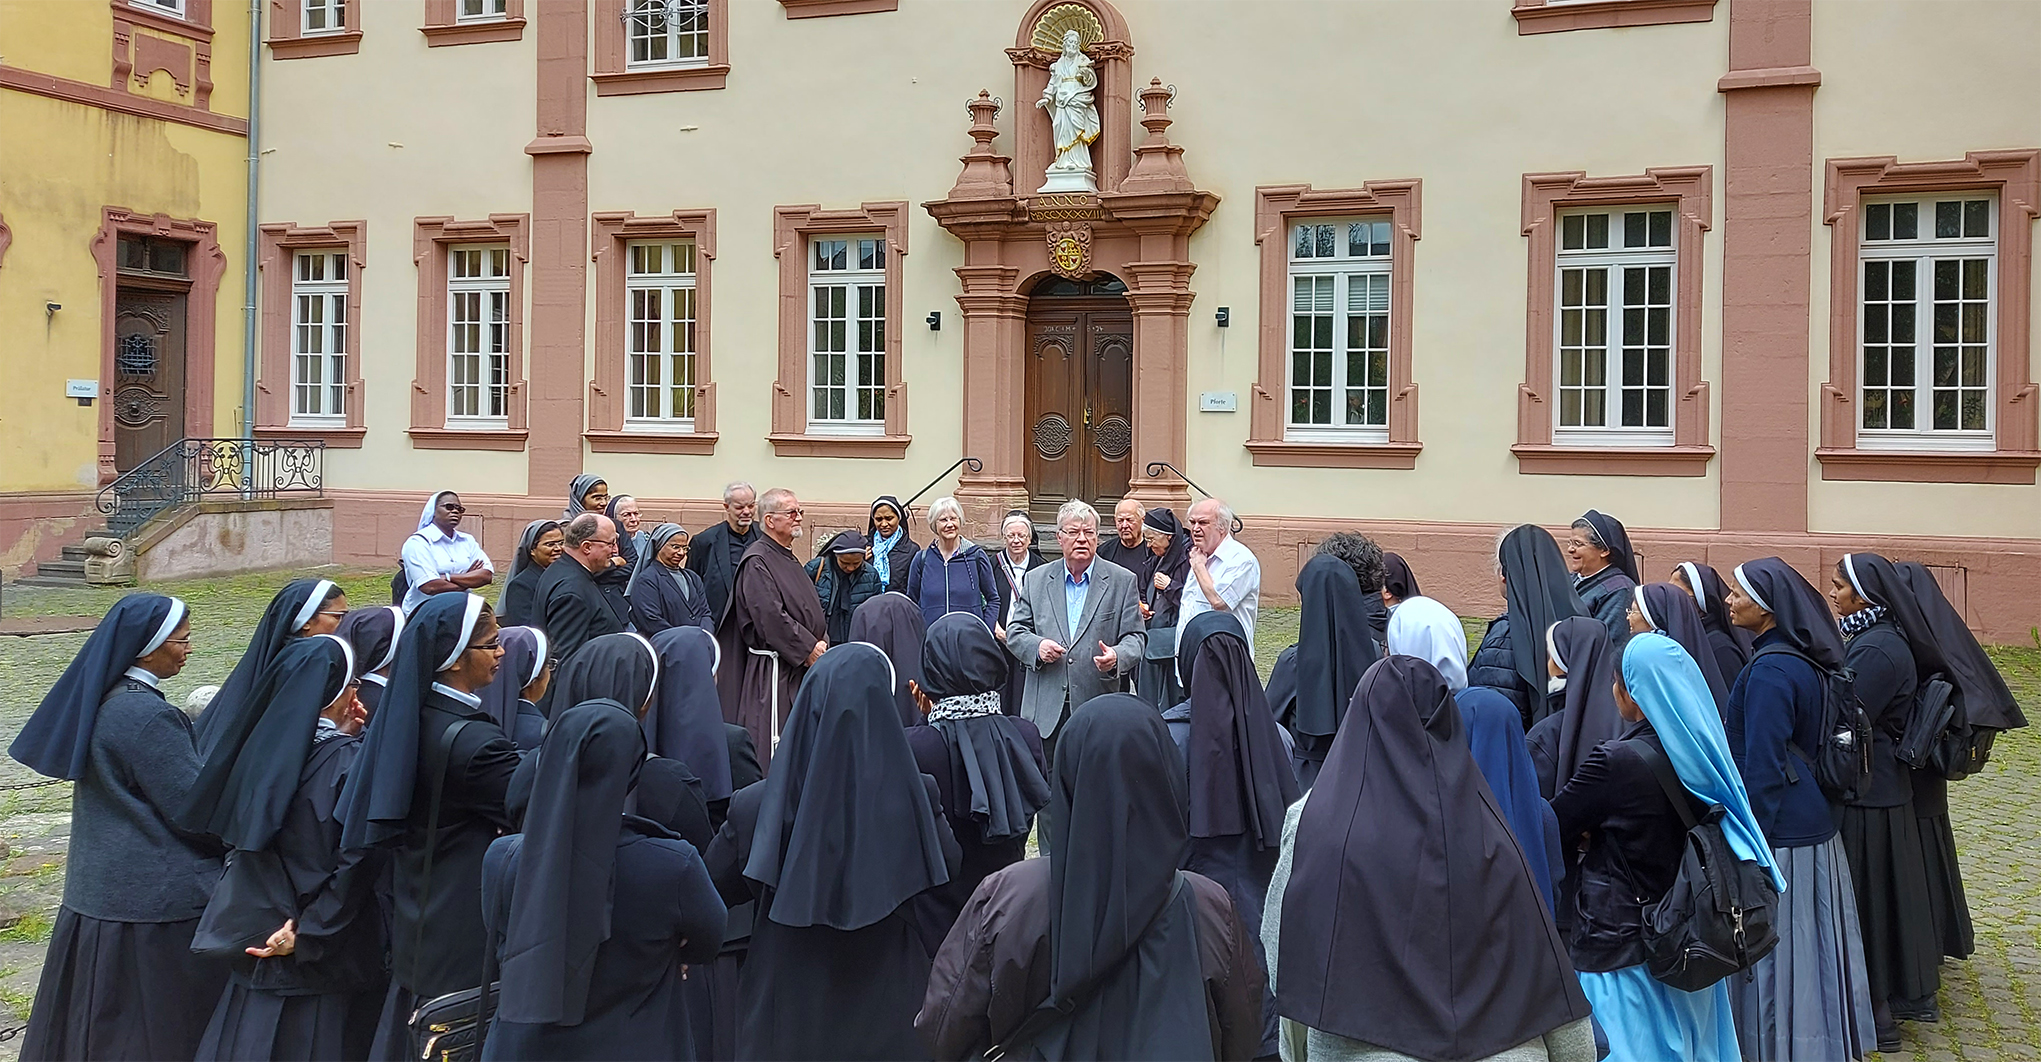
(1087, 414)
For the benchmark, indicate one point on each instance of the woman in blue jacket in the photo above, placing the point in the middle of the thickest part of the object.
(953, 574)
(1810, 998)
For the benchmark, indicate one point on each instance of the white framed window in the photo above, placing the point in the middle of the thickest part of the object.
(168, 7)
(323, 16)
(665, 33)
(659, 353)
(1615, 327)
(482, 10)
(319, 339)
(1926, 321)
(1339, 330)
(847, 333)
(478, 337)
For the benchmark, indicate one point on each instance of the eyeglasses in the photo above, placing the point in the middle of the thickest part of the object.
(186, 640)
(327, 612)
(486, 647)
(454, 508)
(610, 541)
(793, 513)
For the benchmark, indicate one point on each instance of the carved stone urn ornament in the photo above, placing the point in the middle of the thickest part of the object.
(1068, 97)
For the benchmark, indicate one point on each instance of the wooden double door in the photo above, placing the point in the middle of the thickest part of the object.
(1080, 395)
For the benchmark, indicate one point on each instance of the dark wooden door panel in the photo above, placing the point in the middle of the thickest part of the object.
(1079, 400)
(148, 374)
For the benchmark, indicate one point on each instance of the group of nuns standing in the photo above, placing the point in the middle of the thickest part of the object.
(1395, 850)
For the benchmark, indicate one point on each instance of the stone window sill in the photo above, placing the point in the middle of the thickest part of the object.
(650, 442)
(334, 438)
(892, 447)
(502, 29)
(1286, 454)
(1927, 466)
(468, 439)
(1543, 460)
(639, 82)
(1542, 17)
(824, 8)
(347, 43)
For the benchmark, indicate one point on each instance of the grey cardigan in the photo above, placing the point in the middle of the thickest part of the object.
(127, 862)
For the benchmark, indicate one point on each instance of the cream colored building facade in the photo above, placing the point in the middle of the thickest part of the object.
(1605, 253)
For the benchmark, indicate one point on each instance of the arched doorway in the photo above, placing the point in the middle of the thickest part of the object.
(1080, 392)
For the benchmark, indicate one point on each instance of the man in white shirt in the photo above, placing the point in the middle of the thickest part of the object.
(1225, 576)
(441, 559)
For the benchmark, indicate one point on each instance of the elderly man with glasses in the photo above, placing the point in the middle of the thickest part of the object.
(774, 628)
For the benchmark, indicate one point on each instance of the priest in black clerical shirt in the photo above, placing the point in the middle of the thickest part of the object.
(576, 606)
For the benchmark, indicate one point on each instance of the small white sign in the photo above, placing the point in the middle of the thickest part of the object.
(1218, 401)
(81, 388)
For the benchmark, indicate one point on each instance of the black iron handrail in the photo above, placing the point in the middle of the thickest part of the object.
(189, 469)
(1155, 469)
(976, 466)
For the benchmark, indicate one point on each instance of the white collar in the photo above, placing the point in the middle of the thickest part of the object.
(146, 677)
(432, 533)
(375, 678)
(468, 699)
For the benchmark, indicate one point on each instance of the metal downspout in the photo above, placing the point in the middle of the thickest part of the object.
(251, 248)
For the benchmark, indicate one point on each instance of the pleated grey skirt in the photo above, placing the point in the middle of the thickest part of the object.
(1810, 999)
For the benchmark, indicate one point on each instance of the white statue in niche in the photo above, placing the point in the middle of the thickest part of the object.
(1072, 118)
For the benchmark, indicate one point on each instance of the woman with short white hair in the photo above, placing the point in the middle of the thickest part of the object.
(953, 574)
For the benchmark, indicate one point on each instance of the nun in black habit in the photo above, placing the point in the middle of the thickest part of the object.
(1539, 591)
(1241, 780)
(663, 592)
(1669, 610)
(433, 758)
(519, 604)
(1334, 648)
(1161, 594)
(1405, 920)
(1604, 571)
(893, 623)
(302, 607)
(988, 766)
(1579, 656)
(685, 722)
(134, 881)
(1730, 643)
(594, 912)
(373, 634)
(844, 841)
(294, 915)
(512, 697)
(1104, 949)
(1398, 582)
(583, 497)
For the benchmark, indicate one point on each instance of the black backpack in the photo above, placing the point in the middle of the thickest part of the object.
(1842, 759)
(1717, 917)
(1939, 737)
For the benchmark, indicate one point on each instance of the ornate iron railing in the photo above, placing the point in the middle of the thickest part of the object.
(973, 463)
(188, 470)
(1155, 469)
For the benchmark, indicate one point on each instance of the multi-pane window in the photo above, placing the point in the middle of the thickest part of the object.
(666, 32)
(482, 10)
(1925, 320)
(324, 16)
(1615, 324)
(847, 330)
(1339, 329)
(478, 335)
(168, 7)
(319, 338)
(659, 308)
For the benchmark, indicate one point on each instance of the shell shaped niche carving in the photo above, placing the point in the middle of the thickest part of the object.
(1052, 436)
(1057, 20)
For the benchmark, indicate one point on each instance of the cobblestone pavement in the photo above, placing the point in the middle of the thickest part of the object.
(1991, 1004)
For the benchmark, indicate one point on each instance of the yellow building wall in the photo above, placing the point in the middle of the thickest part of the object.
(61, 164)
(1970, 84)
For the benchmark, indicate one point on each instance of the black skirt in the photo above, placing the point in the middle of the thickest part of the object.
(1901, 952)
(1945, 876)
(256, 1024)
(392, 1042)
(121, 990)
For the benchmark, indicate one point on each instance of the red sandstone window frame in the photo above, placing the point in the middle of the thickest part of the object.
(279, 244)
(444, 28)
(613, 75)
(1689, 190)
(286, 38)
(793, 227)
(2015, 177)
(206, 266)
(1276, 208)
(611, 234)
(825, 8)
(195, 23)
(431, 238)
(1547, 16)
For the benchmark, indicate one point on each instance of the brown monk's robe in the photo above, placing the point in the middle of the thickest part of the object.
(773, 608)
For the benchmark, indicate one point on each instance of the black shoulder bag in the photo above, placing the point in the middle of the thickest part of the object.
(1049, 1013)
(1717, 917)
(451, 1027)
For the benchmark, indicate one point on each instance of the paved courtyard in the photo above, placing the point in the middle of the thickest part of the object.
(1991, 1004)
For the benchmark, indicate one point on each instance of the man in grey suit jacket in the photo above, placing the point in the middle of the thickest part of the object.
(1076, 627)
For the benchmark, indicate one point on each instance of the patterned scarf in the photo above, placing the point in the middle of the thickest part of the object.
(1861, 620)
(966, 706)
(882, 552)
